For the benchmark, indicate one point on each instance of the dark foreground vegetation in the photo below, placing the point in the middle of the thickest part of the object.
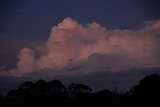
(54, 94)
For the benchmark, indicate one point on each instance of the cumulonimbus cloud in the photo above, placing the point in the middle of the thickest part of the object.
(93, 46)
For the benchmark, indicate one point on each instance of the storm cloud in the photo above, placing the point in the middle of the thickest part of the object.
(91, 48)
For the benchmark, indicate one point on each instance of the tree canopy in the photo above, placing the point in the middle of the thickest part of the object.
(55, 94)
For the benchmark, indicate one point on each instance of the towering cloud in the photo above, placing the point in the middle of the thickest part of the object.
(93, 47)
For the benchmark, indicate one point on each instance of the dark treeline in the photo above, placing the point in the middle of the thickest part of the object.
(55, 94)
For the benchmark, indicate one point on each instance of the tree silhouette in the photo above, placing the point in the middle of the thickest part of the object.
(55, 88)
(25, 85)
(54, 94)
(78, 89)
(2, 100)
(147, 92)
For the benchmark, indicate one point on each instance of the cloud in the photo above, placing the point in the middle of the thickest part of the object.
(92, 48)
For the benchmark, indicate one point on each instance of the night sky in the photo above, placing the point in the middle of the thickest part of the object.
(31, 20)
(30, 28)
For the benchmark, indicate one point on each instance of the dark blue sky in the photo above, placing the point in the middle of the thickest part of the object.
(24, 21)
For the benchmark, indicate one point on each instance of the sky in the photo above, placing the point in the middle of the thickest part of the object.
(109, 41)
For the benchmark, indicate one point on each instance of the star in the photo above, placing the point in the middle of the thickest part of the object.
(21, 10)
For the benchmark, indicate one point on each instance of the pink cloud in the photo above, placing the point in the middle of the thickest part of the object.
(71, 41)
